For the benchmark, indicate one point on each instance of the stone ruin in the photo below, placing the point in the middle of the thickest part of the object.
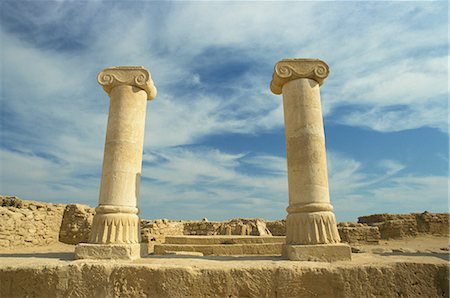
(311, 231)
(113, 230)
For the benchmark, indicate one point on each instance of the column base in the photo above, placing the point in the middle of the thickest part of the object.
(308, 228)
(115, 224)
(111, 251)
(318, 252)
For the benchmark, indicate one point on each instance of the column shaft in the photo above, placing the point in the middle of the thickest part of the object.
(122, 159)
(116, 219)
(309, 220)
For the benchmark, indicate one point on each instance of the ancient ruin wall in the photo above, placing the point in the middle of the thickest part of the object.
(277, 227)
(155, 231)
(76, 224)
(357, 233)
(397, 226)
(237, 226)
(28, 223)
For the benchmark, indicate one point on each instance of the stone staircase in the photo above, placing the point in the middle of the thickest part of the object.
(223, 245)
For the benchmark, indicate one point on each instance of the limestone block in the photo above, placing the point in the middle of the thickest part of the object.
(111, 251)
(318, 252)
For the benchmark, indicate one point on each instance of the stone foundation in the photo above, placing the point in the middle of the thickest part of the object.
(182, 276)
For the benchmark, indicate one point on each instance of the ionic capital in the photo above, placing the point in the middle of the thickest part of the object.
(136, 76)
(297, 68)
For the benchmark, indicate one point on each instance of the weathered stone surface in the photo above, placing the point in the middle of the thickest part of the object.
(76, 224)
(177, 277)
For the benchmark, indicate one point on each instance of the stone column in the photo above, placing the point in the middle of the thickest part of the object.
(311, 231)
(115, 230)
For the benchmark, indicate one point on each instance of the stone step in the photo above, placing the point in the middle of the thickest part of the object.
(224, 239)
(222, 249)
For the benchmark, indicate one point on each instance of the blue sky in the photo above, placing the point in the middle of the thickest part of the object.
(214, 141)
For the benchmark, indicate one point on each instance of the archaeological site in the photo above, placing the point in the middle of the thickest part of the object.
(108, 250)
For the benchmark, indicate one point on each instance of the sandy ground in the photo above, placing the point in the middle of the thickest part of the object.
(426, 243)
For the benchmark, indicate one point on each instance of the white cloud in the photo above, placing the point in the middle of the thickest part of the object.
(33, 177)
(356, 191)
(272, 164)
(212, 181)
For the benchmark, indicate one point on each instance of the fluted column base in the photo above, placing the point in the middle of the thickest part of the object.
(115, 224)
(311, 228)
(313, 236)
(115, 234)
